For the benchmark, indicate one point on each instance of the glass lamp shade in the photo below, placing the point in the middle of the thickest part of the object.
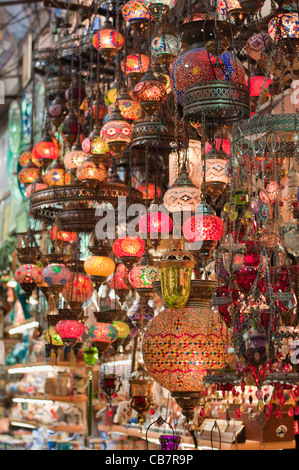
(165, 48)
(123, 329)
(256, 44)
(108, 41)
(73, 159)
(56, 274)
(110, 96)
(116, 282)
(149, 190)
(143, 275)
(45, 151)
(179, 346)
(37, 185)
(28, 174)
(129, 109)
(284, 26)
(57, 175)
(183, 196)
(62, 235)
(52, 337)
(94, 144)
(150, 93)
(88, 170)
(128, 247)
(70, 329)
(99, 266)
(103, 332)
(169, 442)
(198, 66)
(135, 64)
(116, 134)
(140, 312)
(136, 14)
(155, 222)
(205, 227)
(79, 289)
(25, 157)
(122, 271)
(69, 128)
(90, 355)
(225, 6)
(257, 83)
(176, 270)
(28, 274)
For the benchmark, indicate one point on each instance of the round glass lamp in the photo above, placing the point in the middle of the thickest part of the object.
(183, 195)
(136, 14)
(103, 333)
(69, 330)
(155, 223)
(108, 41)
(116, 132)
(62, 236)
(129, 250)
(52, 337)
(29, 173)
(78, 290)
(150, 93)
(284, 26)
(28, 276)
(73, 158)
(90, 172)
(99, 268)
(165, 47)
(135, 65)
(45, 151)
(56, 175)
(123, 329)
(56, 274)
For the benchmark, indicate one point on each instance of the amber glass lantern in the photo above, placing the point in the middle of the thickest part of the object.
(108, 41)
(176, 270)
(141, 390)
(56, 175)
(99, 268)
(129, 250)
(29, 173)
(91, 173)
(150, 93)
(62, 236)
(45, 151)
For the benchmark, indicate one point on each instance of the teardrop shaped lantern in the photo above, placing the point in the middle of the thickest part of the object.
(176, 269)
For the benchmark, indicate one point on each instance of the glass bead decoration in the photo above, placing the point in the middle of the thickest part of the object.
(56, 274)
(70, 329)
(27, 274)
(284, 25)
(103, 332)
(179, 346)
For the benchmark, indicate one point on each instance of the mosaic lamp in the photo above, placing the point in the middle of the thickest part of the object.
(74, 157)
(103, 333)
(28, 275)
(70, 330)
(37, 185)
(62, 236)
(143, 274)
(78, 290)
(135, 65)
(284, 26)
(29, 173)
(159, 8)
(108, 41)
(45, 151)
(128, 107)
(129, 250)
(155, 223)
(233, 10)
(56, 274)
(176, 267)
(123, 329)
(179, 346)
(99, 268)
(165, 47)
(216, 172)
(150, 93)
(91, 173)
(183, 195)
(137, 15)
(116, 132)
(56, 175)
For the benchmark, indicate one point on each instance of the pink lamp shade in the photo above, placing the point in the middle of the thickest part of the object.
(69, 329)
(206, 227)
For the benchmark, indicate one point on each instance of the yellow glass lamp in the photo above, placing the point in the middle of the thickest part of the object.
(99, 268)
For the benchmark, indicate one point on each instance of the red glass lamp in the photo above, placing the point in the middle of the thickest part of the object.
(70, 330)
(78, 290)
(150, 93)
(135, 65)
(155, 223)
(116, 132)
(149, 190)
(45, 151)
(29, 173)
(62, 236)
(129, 250)
(28, 275)
(108, 41)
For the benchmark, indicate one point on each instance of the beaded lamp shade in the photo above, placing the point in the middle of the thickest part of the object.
(73, 159)
(27, 274)
(79, 289)
(150, 93)
(179, 346)
(198, 66)
(136, 14)
(29, 173)
(127, 247)
(56, 274)
(108, 41)
(123, 329)
(45, 151)
(135, 65)
(99, 266)
(165, 47)
(283, 26)
(88, 170)
(103, 332)
(142, 276)
(57, 175)
(129, 109)
(183, 195)
(70, 329)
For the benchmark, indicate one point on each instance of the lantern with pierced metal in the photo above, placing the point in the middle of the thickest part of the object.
(141, 390)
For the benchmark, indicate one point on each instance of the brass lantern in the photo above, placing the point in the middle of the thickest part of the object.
(141, 390)
(176, 269)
